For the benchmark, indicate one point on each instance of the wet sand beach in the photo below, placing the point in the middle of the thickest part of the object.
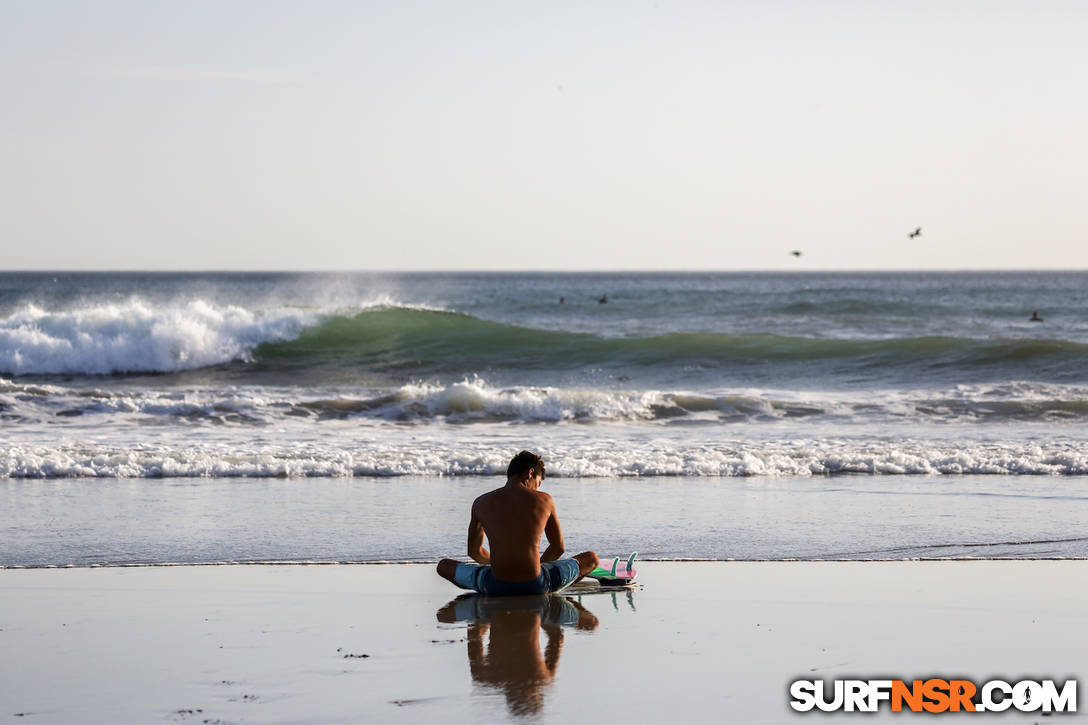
(693, 642)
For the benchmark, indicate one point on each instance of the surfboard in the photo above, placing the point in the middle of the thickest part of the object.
(618, 574)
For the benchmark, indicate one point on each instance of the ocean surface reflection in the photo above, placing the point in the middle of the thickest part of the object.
(505, 653)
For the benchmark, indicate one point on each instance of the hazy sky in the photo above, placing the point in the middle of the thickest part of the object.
(550, 135)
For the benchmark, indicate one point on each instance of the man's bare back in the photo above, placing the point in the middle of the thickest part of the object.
(514, 517)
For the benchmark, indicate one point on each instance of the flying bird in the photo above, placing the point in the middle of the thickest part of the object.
(796, 252)
(916, 233)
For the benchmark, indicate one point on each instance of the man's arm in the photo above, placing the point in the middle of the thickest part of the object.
(553, 647)
(476, 550)
(553, 532)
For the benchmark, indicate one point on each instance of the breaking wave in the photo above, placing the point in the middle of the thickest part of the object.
(474, 400)
(431, 342)
(136, 337)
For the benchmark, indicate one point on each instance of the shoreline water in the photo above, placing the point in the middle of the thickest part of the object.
(87, 522)
(431, 564)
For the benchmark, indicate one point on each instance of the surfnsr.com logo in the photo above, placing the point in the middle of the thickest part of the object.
(934, 695)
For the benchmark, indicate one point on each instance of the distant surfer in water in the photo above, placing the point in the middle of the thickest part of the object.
(1035, 317)
(603, 300)
(513, 518)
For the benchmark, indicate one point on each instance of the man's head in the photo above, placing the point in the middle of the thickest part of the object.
(522, 463)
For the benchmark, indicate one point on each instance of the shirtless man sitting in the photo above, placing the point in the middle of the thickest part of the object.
(513, 518)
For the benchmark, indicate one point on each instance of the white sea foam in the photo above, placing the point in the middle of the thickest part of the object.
(137, 336)
(656, 458)
(476, 401)
(464, 401)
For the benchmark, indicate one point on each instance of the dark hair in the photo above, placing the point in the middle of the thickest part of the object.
(522, 462)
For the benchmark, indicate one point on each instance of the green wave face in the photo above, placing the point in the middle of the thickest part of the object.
(398, 338)
(422, 342)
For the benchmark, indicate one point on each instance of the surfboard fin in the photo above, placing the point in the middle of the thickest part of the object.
(615, 575)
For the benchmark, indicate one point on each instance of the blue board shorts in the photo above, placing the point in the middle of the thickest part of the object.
(554, 576)
(553, 610)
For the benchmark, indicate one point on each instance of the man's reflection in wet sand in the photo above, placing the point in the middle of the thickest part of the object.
(511, 660)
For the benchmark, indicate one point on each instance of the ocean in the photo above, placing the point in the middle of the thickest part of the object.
(212, 417)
